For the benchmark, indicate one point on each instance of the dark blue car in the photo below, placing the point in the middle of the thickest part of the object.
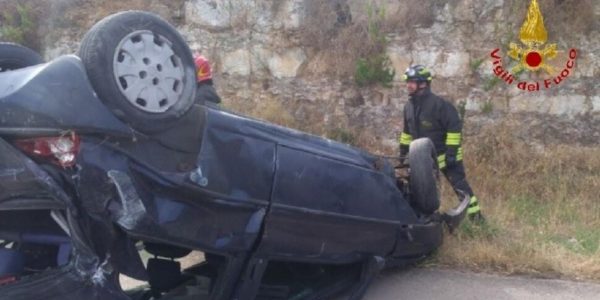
(108, 152)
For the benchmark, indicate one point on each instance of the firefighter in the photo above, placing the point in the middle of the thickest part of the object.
(205, 93)
(428, 115)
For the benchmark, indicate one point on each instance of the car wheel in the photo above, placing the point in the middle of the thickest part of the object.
(141, 68)
(423, 174)
(14, 56)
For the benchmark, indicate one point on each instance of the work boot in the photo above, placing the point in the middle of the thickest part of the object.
(474, 211)
(477, 218)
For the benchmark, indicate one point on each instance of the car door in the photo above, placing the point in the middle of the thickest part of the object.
(326, 208)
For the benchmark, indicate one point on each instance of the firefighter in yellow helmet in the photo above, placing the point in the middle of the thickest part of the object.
(427, 115)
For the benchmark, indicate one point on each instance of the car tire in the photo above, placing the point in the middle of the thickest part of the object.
(14, 56)
(141, 68)
(423, 174)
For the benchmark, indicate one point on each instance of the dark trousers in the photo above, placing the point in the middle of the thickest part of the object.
(457, 178)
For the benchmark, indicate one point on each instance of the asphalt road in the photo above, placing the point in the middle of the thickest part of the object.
(443, 284)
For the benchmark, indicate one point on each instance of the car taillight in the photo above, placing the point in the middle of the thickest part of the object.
(7, 279)
(60, 150)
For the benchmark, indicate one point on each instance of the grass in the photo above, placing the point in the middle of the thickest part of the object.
(490, 82)
(373, 70)
(342, 135)
(475, 64)
(337, 49)
(542, 209)
(87, 12)
(269, 110)
(487, 107)
(19, 24)
(275, 112)
(341, 49)
(375, 67)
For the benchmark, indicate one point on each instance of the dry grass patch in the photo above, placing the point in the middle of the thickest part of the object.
(335, 47)
(273, 111)
(19, 22)
(542, 209)
(85, 13)
(269, 110)
(338, 37)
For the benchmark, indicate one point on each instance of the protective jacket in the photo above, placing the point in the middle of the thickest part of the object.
(428, 115)
(206, 92)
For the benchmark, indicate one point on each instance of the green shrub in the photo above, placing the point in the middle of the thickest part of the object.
(375, 67)
(18, 25)
(11, 34)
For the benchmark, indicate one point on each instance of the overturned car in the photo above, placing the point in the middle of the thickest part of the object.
(108, 167)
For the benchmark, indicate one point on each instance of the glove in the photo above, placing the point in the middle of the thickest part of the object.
(403, 151)
(404, 141)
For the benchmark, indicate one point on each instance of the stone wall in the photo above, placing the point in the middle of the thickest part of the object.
(266, 67)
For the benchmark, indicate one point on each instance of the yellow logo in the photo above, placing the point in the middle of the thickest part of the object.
(533, 54)
(533, 36)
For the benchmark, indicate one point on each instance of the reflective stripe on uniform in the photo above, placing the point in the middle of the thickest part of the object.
(453, 138)
(459, 154)
(473, 206)
(405, 139)
(441, 161)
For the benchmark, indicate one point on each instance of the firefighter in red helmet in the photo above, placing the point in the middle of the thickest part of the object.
(205, 92)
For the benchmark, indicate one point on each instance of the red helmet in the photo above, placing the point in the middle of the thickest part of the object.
(203, 70)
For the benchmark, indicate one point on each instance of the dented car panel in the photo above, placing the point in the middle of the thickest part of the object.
(169, 210)
(24, 185)
(29, 190)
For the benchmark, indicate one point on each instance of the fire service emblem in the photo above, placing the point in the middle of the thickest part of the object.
(533, 54)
